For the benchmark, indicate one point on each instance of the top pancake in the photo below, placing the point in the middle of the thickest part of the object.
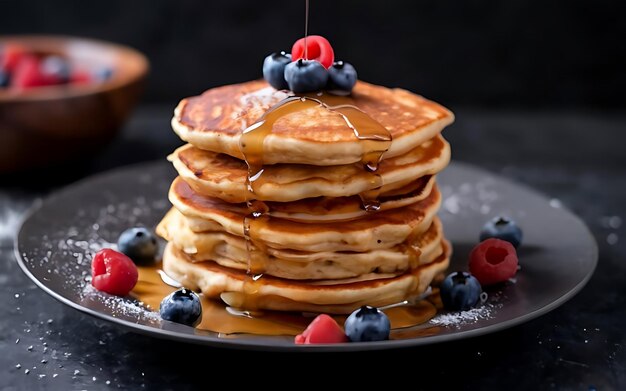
(215, 120)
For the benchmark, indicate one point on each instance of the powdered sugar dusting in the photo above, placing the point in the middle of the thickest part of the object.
(486, 310)
(10, 216)
(470, 197)
(460, 318)
(120, 306)
(64, 255)
(9, 222)
(57, 244)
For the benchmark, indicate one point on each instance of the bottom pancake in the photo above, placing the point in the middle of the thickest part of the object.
(240, 290)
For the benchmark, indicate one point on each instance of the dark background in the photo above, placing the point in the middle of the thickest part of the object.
(538, 89)
(514, 53)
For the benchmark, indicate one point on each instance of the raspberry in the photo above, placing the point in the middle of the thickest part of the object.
(113, 272)
(322, 329)
(493, 261)
(10, 56)
(318, 49)
(27, 73)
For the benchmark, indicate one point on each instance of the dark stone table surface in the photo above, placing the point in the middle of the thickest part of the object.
(575, 157)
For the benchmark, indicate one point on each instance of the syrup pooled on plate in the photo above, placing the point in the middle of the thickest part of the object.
(219, 318)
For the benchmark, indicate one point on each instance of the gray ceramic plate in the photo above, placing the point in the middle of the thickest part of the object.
(56, 242)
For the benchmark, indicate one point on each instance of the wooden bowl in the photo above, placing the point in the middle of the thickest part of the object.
(51, 124)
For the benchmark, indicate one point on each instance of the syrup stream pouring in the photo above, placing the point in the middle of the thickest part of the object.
(306, 29)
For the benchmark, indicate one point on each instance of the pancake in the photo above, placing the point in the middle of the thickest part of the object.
(224, 177)
(336, 209)
(319, 209)
(373, 231)
(239, 290)
(231, 251)
(214, 121)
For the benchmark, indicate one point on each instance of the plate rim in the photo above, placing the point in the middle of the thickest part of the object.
(251, 344)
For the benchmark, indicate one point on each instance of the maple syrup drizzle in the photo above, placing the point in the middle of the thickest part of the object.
(411, 248)
(251, 145)
(257, 255)
(375, 140)
(219, 318)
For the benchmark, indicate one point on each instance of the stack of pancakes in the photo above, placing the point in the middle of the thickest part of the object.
(318, 245)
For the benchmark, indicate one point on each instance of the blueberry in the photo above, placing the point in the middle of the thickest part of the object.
(460, 291)
(367, 324)
(57, 67)
(182, 306)
(502, 228)
(274, 69)
(138, 244)
(341, 78)
(103, 74)
(4, 79)
(306, 76)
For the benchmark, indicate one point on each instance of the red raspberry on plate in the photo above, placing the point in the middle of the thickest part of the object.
(322, 329)
(493, 261)
(113, 272)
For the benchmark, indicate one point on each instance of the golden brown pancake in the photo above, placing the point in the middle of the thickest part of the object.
(323, 209)
(222, 176)
(239, 290)
(214, 121)
(373, 231)
(231, 251)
